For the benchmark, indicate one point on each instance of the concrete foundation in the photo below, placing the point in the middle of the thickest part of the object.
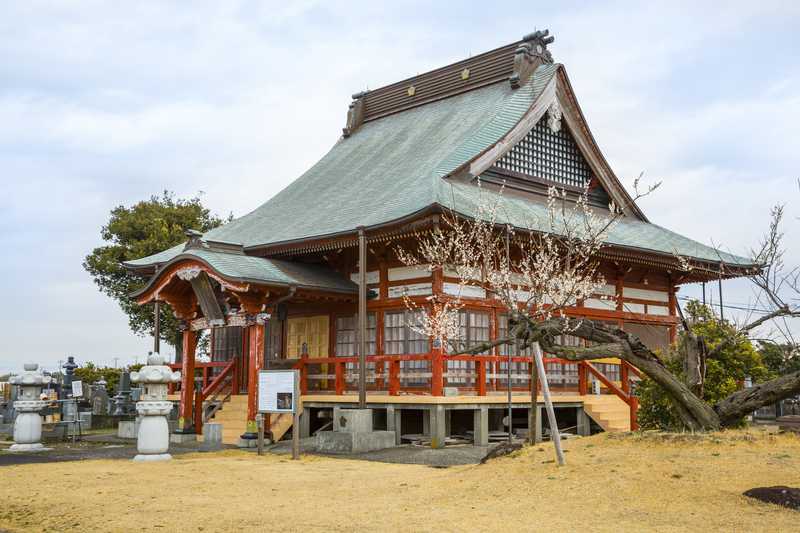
(250, 443)
(352, 433)
(180, 438)
(584, 425)
(345, 442)
(480, 426)
(212, 437)
(438, 426)
(352, 420)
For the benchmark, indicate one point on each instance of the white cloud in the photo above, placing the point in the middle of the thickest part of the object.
(102, 104)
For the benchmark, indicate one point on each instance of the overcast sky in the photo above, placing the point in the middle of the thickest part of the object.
(107, 103)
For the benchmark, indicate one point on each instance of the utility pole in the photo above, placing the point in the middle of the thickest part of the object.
(157, 324)
(515, 350)
(362, 319)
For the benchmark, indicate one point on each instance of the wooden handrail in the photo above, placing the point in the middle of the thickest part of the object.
(217, 381)
(628, 398)
(607, 382)
(197, 365)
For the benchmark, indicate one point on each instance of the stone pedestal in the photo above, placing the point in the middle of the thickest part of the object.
(152, 438)
(212, 437)
(28, 425)
(352, 433)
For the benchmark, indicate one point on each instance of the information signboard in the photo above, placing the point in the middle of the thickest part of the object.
(77, 389)
(278, 391)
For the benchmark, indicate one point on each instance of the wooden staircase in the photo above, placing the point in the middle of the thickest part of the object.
(609, 411)
(233, 417)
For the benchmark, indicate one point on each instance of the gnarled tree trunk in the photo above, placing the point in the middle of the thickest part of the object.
(695, 413)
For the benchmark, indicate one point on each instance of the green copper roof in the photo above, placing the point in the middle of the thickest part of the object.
(628, 232)
(245, 268)
(388, 169)
(393, 167)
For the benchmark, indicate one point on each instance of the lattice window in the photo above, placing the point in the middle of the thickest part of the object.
(550, 155)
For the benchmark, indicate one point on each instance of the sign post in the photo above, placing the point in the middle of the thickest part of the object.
(279, 393)
(77, 389)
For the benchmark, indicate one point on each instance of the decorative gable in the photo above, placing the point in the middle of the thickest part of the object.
(547, 156)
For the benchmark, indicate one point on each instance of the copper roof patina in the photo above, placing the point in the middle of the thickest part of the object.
(396, 166)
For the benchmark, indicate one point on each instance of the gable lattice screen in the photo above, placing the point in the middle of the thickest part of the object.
(546, 154)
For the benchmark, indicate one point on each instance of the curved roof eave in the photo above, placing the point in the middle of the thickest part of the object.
(263, 281)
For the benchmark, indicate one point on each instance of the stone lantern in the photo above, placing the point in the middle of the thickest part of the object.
(28, 425)
(153, 436)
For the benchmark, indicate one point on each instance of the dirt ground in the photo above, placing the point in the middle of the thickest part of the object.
(646, 482)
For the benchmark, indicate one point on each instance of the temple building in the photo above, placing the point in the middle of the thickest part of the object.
(278, 287)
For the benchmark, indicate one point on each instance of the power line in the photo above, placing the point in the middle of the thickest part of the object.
(740, 307)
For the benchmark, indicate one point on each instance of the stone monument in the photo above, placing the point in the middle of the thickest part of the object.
(122, 400)
(28, 425)
(152, 439)
(99, 398)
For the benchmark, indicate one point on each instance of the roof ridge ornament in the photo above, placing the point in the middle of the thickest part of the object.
(531, 53)
(355, 114)
(195, 240)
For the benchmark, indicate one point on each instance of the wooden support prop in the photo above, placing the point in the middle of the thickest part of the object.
(548, 404)
(534, 437)
(296, 434)
(260, 421)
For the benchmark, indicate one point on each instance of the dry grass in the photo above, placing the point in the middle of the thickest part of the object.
(633, 483)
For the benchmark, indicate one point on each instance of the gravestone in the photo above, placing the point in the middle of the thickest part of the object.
(99, 398)
(123, 405)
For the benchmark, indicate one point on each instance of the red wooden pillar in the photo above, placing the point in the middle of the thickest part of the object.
(583, 378)
(340, 379)
(634, 405)
(673, 311)
(481, 385)
(437, 372)
(187, 382)
(624, 377)
(394, 377)
(255, 349)
(198, 412)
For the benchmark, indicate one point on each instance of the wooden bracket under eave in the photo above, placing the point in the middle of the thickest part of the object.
(355, 114)
(252, 301)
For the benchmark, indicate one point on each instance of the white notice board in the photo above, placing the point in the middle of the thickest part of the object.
(77, 389)
(278, 391)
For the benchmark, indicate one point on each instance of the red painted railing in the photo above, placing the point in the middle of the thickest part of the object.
(479, 375)
(212, 382)
(623, 393)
